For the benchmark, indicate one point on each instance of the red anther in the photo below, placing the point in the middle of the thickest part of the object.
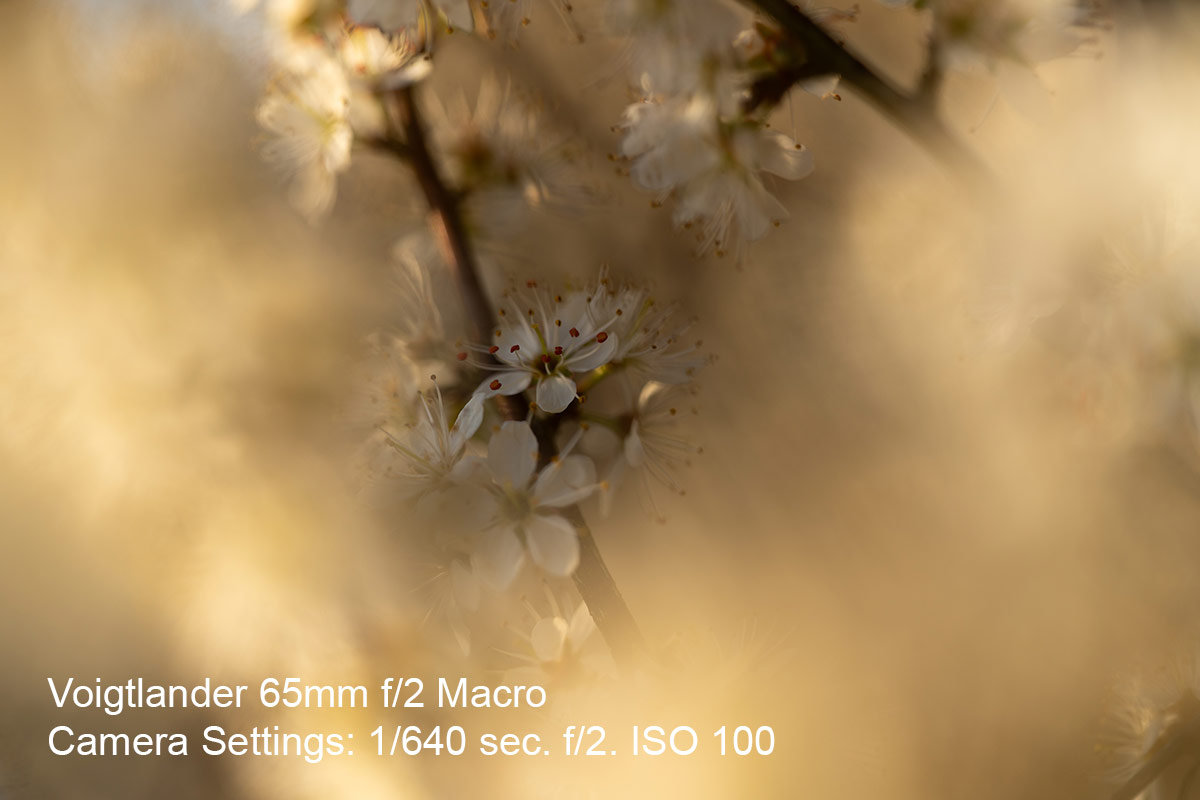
(558, 351)
(530, 284)
(601, 337)
(545, 358)
(514, 348)
(574, 333)
(494, 349)
(462, 356)
(494, 385)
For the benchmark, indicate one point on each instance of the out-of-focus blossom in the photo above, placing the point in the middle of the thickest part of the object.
(712, 165)
(433, 448)
(307, 113)
(563, 645)
(503, 158)
(527, 505)
(676, 44)
(648, 337)
(651, 447)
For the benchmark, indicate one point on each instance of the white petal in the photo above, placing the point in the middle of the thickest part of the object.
(411, 73)
(553, 544)
(511, 382)
(597, 354)
(581, 628)
(465, 586)
(635, 453)
(781, 155)
(548, 637)
(512, 454)
(499, 557)
(555, 393)
(469, 418)
(823, 86)
(563, 482)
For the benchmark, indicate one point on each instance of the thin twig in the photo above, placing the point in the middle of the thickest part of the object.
(912, 113)
(596, 585)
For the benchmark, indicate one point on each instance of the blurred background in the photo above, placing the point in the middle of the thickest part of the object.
(944, 503)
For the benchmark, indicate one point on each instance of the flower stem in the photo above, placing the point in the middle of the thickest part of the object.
(915, 114)
(595, 583)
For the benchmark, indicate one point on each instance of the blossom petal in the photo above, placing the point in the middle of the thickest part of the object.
(563, 482)
(548, 638)
(498, 557)
(464, 585)
(511, 381)
(469, 418)
(581, 627)
(555, 393)
(597, 354)
(512, 454)
(781, 155)
(553, 544)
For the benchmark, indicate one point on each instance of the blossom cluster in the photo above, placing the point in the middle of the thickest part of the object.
(689, 135)
(604, 372)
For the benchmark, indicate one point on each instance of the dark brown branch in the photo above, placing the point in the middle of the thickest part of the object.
(913, 114)
(596, 585)
(451, 233)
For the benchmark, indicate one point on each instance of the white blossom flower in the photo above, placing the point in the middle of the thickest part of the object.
(377, 62)
(1008, 40)
(563, 645)
(526, 508)
(432, 448)
(306, 110)
(502, 157)
(648, 339)
(682, 146)
(675, 42)
(382, 61)
(548, 342)
(651, 448)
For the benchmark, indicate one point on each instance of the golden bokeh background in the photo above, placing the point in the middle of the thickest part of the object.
(921, 548)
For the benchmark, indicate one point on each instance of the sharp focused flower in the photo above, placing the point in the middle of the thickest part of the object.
(526, 512)
(548, 342)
